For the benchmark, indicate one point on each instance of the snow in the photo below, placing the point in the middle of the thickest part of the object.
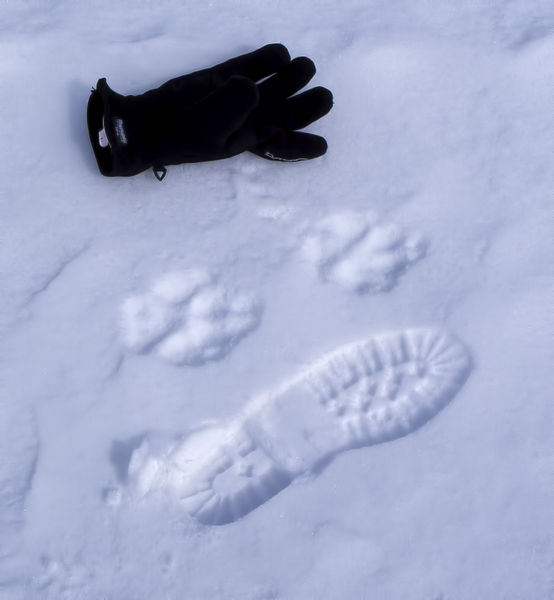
(188, 318)
(359, 253)
(326, 379)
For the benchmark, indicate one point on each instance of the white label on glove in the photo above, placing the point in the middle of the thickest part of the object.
(103, 138)
(119, 130)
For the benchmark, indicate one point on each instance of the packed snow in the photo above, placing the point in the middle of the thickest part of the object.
(255, 380)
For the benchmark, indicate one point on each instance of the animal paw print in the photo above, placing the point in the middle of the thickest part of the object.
(359, 252)
(187, 318)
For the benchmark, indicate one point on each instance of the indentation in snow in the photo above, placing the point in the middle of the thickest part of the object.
(369, 392)
(188, 318)
(360, 252)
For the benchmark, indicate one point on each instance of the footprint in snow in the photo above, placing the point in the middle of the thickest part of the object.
(360, 252)
(362, 394)
(187, 318)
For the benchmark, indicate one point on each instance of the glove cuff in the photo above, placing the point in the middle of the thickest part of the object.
(114, 132)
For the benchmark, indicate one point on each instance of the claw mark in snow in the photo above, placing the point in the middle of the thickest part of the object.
(365, 393)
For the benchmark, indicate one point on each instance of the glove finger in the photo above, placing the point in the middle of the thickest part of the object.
(227, 108)
(255, 65)
(289, 80)
(292, 146)
(301, 110)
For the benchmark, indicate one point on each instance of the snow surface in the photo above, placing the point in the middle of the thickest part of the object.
(197, 376)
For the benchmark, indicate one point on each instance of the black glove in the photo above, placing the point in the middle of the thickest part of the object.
(211, 114)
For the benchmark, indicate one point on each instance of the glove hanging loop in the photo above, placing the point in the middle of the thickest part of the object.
(159, 172)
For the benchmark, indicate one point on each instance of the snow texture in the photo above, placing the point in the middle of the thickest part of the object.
(258, 380)
(359, 253)
(18, 457)
(187, 318)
